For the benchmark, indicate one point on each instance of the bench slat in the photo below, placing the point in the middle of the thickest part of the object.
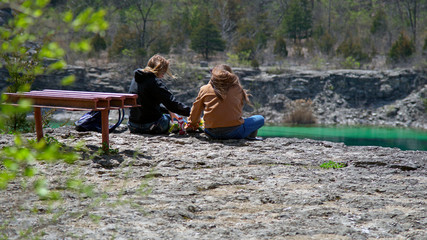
(36, 94)
(129, 95)
(116, 99)
(58, 102)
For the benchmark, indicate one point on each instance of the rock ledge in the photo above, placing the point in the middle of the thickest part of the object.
(233, 189)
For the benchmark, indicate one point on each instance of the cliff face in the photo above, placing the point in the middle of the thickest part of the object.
(358, 88)
(347, 97)
(393, 98)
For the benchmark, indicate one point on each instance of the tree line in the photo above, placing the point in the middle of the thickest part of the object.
(257, 32)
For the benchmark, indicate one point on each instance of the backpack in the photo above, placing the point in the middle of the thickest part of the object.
(91, 121)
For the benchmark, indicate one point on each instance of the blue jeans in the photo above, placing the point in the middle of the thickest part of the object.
(251, 125)
(160, 126)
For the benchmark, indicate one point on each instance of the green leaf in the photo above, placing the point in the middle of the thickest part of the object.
(24, 154)
(42, 3)
(42, 192)
(40, 187)
(5, 33)
(71, 158)
(30, 171)
(81, 19)
(68, 17)
(38, 70)
(25, 104)
(51, 153)
(39, 145)
(18, 141)
(51, 50)
(97, 22)
(66, 81)
(5, 46)
(10, 165)
(58, 65)
(37, 13)
(27, 4)
(82, 46)
(23, 22)
(5, 177)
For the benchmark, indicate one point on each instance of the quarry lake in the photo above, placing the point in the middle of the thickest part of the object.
(403, 138)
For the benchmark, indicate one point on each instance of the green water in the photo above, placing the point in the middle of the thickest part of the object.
(403, 138)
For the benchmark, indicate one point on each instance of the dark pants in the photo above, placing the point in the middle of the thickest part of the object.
(158, 127)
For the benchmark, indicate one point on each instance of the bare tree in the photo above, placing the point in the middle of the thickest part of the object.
(139, 13)
(409, 8)
(229, 14)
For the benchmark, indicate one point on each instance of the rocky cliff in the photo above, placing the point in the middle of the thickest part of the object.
(345, 97)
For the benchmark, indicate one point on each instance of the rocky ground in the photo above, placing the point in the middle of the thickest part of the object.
(192, 187)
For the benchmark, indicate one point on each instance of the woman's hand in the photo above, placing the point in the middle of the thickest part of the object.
(191, 128)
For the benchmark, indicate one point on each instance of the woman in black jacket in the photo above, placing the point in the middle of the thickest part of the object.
(155, 99)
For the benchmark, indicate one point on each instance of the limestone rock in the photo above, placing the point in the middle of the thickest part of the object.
(191, 187)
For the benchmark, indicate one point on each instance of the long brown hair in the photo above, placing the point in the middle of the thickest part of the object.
(222, 79)
(158, 65)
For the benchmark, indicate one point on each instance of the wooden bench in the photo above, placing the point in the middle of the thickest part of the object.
(75, 101)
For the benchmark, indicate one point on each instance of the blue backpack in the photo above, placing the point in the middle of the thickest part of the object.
(91, 121)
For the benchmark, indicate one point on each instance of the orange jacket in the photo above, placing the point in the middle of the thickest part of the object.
(217, 113)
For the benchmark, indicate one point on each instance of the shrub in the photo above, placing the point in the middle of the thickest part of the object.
(162, 46)
(352, 48)
(17, 122)
(280, 47)
(425, 46)
(245, 44)
(318, 63)
(124, 39)
(298, 50)
(98, 43)
(239, 59)
(350, 63)
(379, 22)
(332, 164)
(22, 69)
(276, 70)
(206, 37)
(326, 43)
(401, 49)
(301, 112)
(254, 63)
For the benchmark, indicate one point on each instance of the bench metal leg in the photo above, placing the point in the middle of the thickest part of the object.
(105, 130)
(38, 120)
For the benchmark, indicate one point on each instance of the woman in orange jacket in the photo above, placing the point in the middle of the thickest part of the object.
(221, 101)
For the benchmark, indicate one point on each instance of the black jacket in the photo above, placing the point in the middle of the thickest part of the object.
(152, 92)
